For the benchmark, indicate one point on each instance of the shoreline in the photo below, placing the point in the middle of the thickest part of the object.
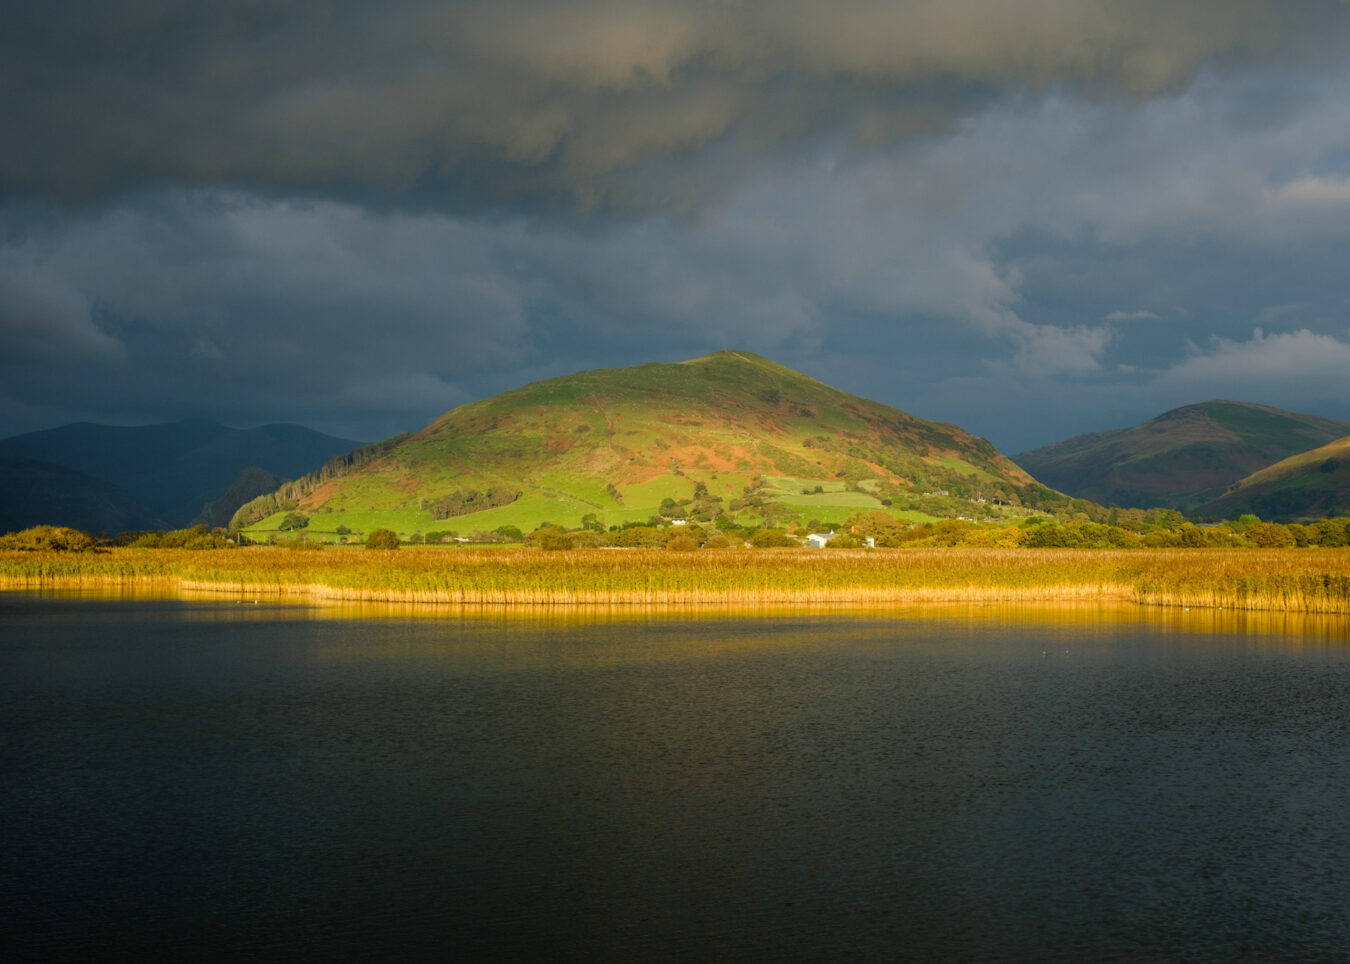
(1292, 580)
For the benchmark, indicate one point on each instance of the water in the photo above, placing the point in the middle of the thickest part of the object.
(222, 781)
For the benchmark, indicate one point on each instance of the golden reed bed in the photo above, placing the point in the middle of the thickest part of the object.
(1288, 580)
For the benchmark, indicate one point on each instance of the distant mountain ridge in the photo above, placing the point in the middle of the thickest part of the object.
(247, 485)
(1181, 459)
(36, 493)
(1312, 484)
(726, 432)
(171, 471)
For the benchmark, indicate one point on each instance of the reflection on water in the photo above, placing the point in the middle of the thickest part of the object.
(1294, 628)
(234, 780)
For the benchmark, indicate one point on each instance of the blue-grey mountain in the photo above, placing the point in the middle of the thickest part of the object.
(169, 472)
(1181, 459)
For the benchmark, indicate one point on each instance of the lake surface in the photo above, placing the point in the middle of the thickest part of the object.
(216, 780)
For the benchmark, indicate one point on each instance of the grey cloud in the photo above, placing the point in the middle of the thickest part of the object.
(215, 304)
(1312, 363)
(1110, 210)
(43, 319)
(1046, 350)
(1298, 370)
(936, 277)
(578, 103)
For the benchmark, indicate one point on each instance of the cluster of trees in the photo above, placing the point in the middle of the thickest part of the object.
(197, 537)
(65, 539)
(289, 495)
(1166, 530)
(724, 533)
(255, 510)
(886, 531)
(653, 534)
(389, 539)
(464, 501)
(703, 507)
(1129, 529)
(500, 534)
(293, 521)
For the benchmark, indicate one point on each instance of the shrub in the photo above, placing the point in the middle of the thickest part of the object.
(1328, 533)
(1051, 535)
(382, 539)
(772, 539)
(1270, 535)
(48, 539)
(554, 540)
(847, 541)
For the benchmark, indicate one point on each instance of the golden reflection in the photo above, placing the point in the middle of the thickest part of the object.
(1294, 628)
(1070, 614)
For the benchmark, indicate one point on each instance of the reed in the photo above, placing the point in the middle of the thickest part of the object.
(1306, 580)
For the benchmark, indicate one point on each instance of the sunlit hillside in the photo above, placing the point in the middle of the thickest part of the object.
(1308, 485)
(730, 433)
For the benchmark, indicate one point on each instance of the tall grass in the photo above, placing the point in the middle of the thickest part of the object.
(1257, 579)
(1283, 580)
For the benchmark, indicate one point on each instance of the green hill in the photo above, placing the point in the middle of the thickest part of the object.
(1313, 484)
(728, 433)
(1180, 459)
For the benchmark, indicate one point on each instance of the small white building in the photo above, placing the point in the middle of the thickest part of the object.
(819, 540)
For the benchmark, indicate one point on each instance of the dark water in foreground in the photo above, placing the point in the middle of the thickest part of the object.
(205, 780)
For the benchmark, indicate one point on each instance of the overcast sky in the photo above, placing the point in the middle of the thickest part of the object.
(1033, 218)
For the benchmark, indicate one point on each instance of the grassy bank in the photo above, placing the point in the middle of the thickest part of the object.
(1279, 580)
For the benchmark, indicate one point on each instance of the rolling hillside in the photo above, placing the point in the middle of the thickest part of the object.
(172, 471)
(1181, 459)
(1314, 484)
(728, 433)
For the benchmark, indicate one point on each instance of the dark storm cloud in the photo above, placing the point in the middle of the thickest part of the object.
(313, 310)
(1029, 217)
(583, 103)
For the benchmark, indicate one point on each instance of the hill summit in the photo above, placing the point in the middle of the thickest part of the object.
(730, 432)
